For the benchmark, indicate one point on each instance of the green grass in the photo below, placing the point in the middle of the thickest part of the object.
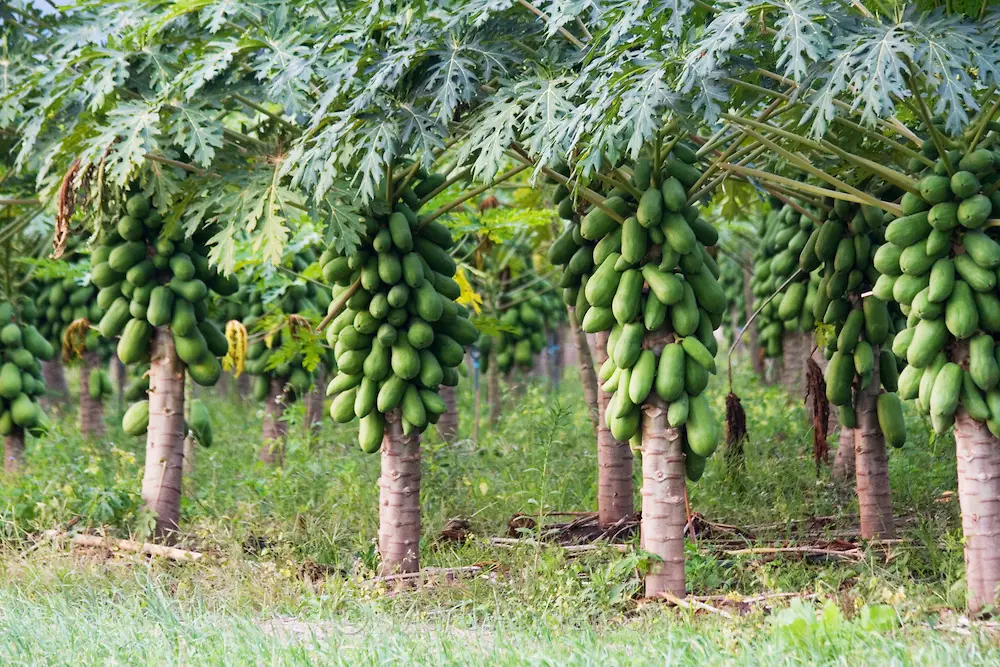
(288, 551)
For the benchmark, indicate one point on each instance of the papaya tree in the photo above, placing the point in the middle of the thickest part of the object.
(67, 305)
(22, 348)
(157, 280)
(938, 261)
(285, 355)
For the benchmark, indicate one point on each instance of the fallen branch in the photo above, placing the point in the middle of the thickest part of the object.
(85, 540)
(763, 597)
(449, 573)
(849, 554)
(570, 548)
(693, 603)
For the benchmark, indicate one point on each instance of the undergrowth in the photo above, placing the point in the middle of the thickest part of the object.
(289, 550)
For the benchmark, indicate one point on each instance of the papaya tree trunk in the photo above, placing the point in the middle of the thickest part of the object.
(243, 386)
(163, 473)
(978, 454)
(13, 446)
(274, 430)
(871, 464)
(663, 486)
(843, 460)
(54, 376)
(493, 388)
(793, 363)
(614, 460)
(756, 356)
(447, 426)
(555, 357)
(314, 400)
(399, 499)
(588, 376)
(91, 409)
(121, 380)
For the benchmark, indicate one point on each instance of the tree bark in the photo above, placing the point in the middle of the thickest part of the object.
(793, 363)
(978, 454)
(872, 465)
(399, 499)
(91, 410)
(13, 445)
(615, 489)
(314, 401)
(493, 387)
(663, 485)
(54, 376)
(447, 426)
(274, 430)
(163, 474)
(121, 378)
(843, 460)
(756, 358)
(588, 376)
(243, 386)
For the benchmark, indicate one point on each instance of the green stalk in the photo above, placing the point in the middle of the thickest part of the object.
(734, 145)
(794, 185)
(804, 164)
(987, 117)
(337, 306)
(411, 173)
(748, 156)
(270, 114)
(925, 113)
(459, 175)
(624, 185)
(545, 19)
(886, 173)
(469, 195)
(791, 202)
(585, 192)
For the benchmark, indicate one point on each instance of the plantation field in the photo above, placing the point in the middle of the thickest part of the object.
(290, 553)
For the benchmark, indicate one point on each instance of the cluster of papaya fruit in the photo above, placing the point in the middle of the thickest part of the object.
(401, 334)
(524, 328)
(284, 358)
(784, 234)
(942, 266)
(572, 252)
(22, 348)
(845, 250)
(731, 280)
(61, 300)
(655, 289)
(152, 277)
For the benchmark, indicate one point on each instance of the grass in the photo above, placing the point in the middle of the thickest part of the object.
(288, 551)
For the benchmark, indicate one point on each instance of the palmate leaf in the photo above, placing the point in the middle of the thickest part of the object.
(196, 133)
(451, 80)
(378, 150)
(802, 33)
(644, 101)
(286, 69)
(944, 45)
(494, 131)
(131, 131)
(547, 105)
(213, 62)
